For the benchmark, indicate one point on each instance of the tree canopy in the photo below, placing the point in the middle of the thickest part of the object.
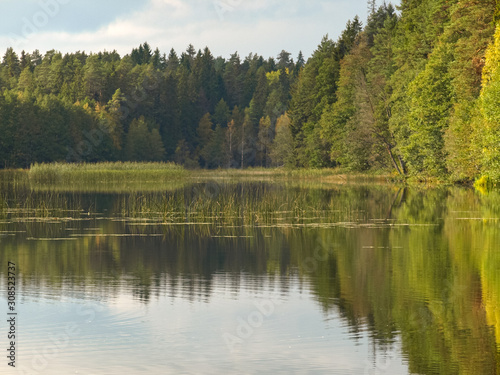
(412, 91)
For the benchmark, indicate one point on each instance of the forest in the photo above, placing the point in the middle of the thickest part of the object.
(412, 91)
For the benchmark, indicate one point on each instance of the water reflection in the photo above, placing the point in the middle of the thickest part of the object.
(403, 280)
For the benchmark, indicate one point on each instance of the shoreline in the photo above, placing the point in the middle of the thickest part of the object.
(154, 173)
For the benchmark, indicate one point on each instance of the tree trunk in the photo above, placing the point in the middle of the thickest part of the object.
(389, 149)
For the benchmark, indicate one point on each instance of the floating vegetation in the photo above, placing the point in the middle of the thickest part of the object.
(115, 235)
(50, 239)
(240, 204)
(221, 204)
(477, 218)
(232, 236)
(219, 209)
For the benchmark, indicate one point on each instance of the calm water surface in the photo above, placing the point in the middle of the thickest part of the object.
(252, 278)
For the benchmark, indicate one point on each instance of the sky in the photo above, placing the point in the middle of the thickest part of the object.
(264, 27)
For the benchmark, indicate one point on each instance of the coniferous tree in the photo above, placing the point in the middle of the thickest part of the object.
(264, 140)
(222, 113)
(399, 94)
(143, 144)
(11, 68)
(205, 134)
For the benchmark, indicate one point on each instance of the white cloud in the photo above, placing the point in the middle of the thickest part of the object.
(260, 26)
(174, 8)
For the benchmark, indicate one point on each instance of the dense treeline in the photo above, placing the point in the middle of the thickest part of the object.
(409, 94)
(193, 108)
(414, 92)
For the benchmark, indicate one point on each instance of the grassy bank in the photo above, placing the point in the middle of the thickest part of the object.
(128, 176)
(325, 175)
(104, 176)
(104, 172)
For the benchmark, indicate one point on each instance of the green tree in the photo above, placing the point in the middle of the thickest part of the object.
(215, 152)
(489, 131)
(143, 144)
(231, 144)
(26, 80)
(356, 126)
(205, 135)
(11, 68)
(172, 61)
(184, 155)
(247, 142)
(417, 32)
(222, 113)
(264, 140)
(281, 152)
(469, 33)
(93, 77)
(314, 91)
(112, 117)
(233, 81)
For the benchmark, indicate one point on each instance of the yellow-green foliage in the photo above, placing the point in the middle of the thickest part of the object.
(274, 77)
(483, 184)
(490, 109)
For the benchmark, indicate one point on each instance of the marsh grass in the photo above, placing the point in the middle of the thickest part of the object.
(134, 177)
(238, 204)
(106, 177)
(30, 211)
(166, 193)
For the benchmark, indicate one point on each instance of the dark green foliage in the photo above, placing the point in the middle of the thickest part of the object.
(96, 108)
(222, 113)
(215, 153)
(143, 142)
(314, 91)
(405, 92)
(401, 94)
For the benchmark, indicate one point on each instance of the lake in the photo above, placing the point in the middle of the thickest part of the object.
(251, 277)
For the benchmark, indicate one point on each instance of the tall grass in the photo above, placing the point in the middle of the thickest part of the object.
(128, 177)
(251, 203)
(101, 176)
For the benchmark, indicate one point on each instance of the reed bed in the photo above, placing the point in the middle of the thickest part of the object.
(167, 193)
(123, 177)
(101, 176)
(238, 204)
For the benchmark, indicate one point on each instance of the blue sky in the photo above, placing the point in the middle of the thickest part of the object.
(225, 26)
